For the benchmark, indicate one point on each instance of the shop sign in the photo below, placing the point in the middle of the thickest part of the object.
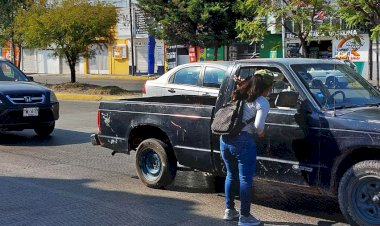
(354, 48)
(123, 24)
(120, 52)
(171, 57)
(140, 23)
(329, 34)
(192, 54)
(159, 53)
(292, 50)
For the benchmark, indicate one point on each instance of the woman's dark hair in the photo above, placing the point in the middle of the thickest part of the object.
(249, 89)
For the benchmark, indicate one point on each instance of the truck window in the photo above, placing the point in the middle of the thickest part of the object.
(336, 85)
(280, 84)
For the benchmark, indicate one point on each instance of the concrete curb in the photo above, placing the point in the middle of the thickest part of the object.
(86, 97)
(122, 77)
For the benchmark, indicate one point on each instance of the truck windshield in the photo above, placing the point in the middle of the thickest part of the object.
(8, 72)
(336, 85)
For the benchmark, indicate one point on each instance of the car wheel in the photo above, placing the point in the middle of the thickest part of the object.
(359, 194)
(155, 165)
(45, 129)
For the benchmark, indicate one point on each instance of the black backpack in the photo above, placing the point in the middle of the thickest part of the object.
(228, 119)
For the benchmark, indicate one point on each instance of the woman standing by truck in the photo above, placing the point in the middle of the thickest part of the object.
(239, 152)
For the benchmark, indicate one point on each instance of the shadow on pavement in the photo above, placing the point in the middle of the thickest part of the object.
(41, 201)
(317, 206)
(320, 223)
(264, 194)
(58, 138)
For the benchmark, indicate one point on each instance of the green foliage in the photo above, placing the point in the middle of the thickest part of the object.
(301, 14)
(362, 13)
(192, 22)
(69, 27)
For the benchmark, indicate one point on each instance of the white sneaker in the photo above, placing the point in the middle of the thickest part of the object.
(231, 214)
(248, 221)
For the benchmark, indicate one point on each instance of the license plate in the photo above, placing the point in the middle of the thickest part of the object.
(30, 112)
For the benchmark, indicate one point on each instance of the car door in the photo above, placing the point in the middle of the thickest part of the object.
(211, 80)
(289, 152)
(184, 81)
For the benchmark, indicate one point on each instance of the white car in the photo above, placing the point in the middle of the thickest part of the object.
(189, 79)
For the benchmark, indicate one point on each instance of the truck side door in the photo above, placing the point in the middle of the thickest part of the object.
(289, 152)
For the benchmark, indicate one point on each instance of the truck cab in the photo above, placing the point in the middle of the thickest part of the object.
(322, 133)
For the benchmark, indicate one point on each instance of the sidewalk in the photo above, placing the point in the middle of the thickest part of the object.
(129, 83)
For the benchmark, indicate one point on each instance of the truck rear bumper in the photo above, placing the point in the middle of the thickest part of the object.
(95, 139)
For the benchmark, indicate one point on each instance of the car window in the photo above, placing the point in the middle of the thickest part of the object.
(213, 77)
(8, 72)
(187, 76)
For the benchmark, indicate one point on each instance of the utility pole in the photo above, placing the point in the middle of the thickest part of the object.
(377, 62)
(283, 33)
(132, 45)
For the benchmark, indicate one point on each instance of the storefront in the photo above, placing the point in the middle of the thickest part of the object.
(349, 45)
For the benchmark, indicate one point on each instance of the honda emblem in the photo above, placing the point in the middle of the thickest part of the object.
(28, 99)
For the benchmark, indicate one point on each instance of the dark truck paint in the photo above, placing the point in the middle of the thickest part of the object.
(319, 141)
(25, 104)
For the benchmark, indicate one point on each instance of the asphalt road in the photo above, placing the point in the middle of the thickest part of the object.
(64, 180)
(129, 85)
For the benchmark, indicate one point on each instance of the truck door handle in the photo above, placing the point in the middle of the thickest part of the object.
(206, 94)
(171, 90)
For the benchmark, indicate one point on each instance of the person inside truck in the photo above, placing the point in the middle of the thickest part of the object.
(239, 152)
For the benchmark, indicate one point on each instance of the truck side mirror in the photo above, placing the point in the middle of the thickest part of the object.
(287, 99)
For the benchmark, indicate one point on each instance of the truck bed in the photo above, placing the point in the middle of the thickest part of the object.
(180, 99)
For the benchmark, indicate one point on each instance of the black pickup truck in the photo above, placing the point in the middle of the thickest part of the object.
(322, 133)
(25, 104)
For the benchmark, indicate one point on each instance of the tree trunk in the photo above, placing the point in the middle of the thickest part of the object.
(13, 52)
(303, 47)
(370, 57)
(71, 61)
(216, 52)
(72, 71)
(19, 56)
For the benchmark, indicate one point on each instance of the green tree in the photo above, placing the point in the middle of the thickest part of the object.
(192, 22)
(69, 27)
(299, 18)
(364, 14)
(8, 12)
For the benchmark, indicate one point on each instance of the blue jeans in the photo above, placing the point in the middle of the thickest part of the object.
(239, 155)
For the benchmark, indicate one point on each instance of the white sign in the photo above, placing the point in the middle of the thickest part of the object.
(159, 53)
(123, 24)
(351, 48)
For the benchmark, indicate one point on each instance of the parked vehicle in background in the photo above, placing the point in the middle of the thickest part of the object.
(25, 104)
(201, 79)
(318, 138)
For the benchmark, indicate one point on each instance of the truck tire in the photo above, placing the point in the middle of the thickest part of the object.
(359, 193)
(155, 165)
(45, 129)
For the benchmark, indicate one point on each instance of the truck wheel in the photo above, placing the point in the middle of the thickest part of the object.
(155, 167)
(359, 194)
(45, 129)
